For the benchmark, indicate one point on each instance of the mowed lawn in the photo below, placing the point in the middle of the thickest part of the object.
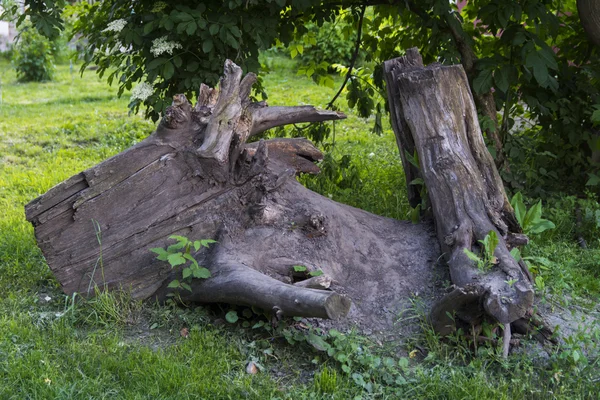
(58, 347)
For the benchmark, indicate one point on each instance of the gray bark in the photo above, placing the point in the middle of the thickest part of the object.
(589, 14)
(465, 190)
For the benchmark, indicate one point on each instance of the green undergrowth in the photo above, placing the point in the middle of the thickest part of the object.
(57, 347)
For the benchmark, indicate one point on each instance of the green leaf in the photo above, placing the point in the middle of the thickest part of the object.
(412, 158)
(232, 41)
(231, 317)
(483, 82)
(148, 27)
(197, 245)
(157, 62)
(191, 258)
(540, 70)
(516, 253)
(207, 46)
(501, 77)
(235, 31)
(299, 268)
(519, 207)
(201, 273)
(214, 29)
(490, 242)
(417, 181)
(594, 180)
(472, 256)
(191, 28)
(169, 70)
(547, 55)
(317, 342)
(541, 226)
(186, 286)
(532, 217)
(180, 239)
(176, 259)
(174, 247)
(174, 284)
(316, 273)
(415, 214)
(162, 253)
(207, 242)
(596, 117)
(540, 260)
(187, 272)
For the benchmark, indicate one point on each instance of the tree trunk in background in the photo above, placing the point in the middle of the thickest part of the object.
(589, 14)
(436, 112)
(196, 177)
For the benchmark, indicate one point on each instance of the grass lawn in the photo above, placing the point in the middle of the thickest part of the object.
(57, 347)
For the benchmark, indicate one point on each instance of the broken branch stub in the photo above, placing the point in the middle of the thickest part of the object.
(435, 112)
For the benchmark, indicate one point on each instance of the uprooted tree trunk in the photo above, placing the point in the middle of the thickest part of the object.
(436, 118)
(197, 176)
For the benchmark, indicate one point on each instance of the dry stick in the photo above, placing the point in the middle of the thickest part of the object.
(506, 340)
(354, 57)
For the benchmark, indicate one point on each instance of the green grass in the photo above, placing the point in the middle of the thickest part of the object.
(57, 347)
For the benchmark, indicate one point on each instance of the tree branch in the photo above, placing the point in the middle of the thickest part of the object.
(354, 57)
(269, 117)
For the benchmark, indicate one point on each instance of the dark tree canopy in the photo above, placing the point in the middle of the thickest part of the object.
(525, 60)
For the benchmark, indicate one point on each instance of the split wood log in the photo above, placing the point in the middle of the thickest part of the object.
(433, 112)
(197, 177)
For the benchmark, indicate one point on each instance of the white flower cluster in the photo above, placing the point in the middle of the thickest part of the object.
(115, 26)
(142, 91)
(162, 45)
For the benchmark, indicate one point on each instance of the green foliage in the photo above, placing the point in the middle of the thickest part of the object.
(180, 255)
(330, 43)
(530, 220)
(32, 56)
(232, 316)
(303, 270)
(487, 259)
(173, 48)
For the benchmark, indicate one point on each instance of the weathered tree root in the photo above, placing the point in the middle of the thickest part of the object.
(433, 115)
(197, 177)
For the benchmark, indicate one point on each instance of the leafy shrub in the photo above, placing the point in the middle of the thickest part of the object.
(33, 57)
(530, 220)
(333, 42)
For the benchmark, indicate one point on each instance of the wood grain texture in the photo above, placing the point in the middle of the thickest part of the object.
(464, 187)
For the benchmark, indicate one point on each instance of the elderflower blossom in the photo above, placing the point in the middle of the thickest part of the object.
(162, 45)
(142, 91)
(115, 26)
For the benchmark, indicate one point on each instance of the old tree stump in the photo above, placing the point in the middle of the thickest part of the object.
(196, 176)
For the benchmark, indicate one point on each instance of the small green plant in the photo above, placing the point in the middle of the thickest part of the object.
(487, 259)
(179, 255)
(33, 57)
(303, 269)
(530, 220)
(326, 381)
